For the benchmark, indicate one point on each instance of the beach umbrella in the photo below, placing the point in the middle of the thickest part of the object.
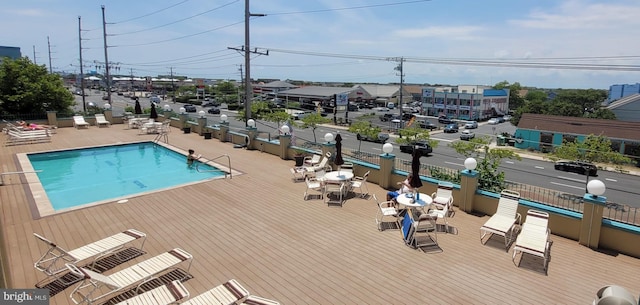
(338, 160)
(138, 109)
(154, 112)
(415, 169)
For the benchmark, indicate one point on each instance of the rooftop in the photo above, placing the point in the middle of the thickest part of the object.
(257, 228)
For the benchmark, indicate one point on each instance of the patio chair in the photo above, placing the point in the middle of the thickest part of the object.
(614, 295)
(385, 209)
(101, 120)
(311, 160)
(335, 192)
(360, 183)
(17, 136)
(297, 174)
(256, 300)
(230, 292)
(425, 225)
(313, 185)
(321, 165)
(443, 196)
(95, 286)
(503, 222)
(441, 214)
(169, 293)
(534, 238)
(79, 122)
(53, 261)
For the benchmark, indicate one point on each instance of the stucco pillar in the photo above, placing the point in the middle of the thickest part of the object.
(252, 132)
(202, 122)
(108, 115)
(285, 142)
(387, 164)
(468, 187)
(591, 220)
(52, 118)
(224, 131)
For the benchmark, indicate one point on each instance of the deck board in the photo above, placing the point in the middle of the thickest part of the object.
(257, 229)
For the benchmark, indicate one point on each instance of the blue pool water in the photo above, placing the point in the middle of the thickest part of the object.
(76, 177)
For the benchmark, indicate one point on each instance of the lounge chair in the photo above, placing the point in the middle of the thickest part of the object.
(534, 238)
(319, 166)
(311, 160)
(256, 300)
(297, 174)
(230, 292)
(169, 293)
(53, 261)
(95, 286)
(101, 120)
(17, 137)
(503, 222)
(78, 122)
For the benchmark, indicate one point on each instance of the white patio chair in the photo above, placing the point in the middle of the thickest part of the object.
(78, 122)
(503, 222)
(311, 160)
(335, 192)
(441, 214)
(102, 120)
(313, 185)
(360, 183)
(385, 209)
(534, 238)
(425, 230)
(443, 196)
(297, 174)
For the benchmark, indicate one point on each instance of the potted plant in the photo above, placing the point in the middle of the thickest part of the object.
(186, 128)
(299, 156)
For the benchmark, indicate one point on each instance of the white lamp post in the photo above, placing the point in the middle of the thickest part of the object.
(107, 106)
(251, 123)
(328, 137)
(223, 118)
(285, 130)
(167, 107)
(470, 164)
(201, 113)
(182, 110)
(387, 148)
(596, 188)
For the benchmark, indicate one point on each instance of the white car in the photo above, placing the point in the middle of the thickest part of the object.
(471, 125)
(493, 121)
(381, 109)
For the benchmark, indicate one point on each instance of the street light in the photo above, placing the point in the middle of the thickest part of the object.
(167, 107)
(470, 164)
(107, 106)
(223, 118)
(182, 110)
(596, 188)
(328, 137)
(201, 113)
(285, 129)
(251, 123)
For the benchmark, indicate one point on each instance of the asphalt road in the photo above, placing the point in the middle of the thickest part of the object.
(621, 188)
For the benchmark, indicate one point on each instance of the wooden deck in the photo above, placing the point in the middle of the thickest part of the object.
(257, 229)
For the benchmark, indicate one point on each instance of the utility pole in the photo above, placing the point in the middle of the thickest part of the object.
(248, 92)
(173, 89)
(34, 55)
(49, 49)
(400, 68)
(106, 58)
(84, 103)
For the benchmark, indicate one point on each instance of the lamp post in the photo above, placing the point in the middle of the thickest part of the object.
(201, 113)
(223, 119)
(182, 110)
(387, 148)
(251, 123)
(285, 130)
(470, 164)
(328, 137)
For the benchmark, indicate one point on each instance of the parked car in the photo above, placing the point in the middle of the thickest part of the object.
(444, 120)
(388, 117)
(467, 135)
(471, 125)
(189, 108)
(493, 121)
(381, 138)
(352, 107)
(422, 146)
(211, 104)
(214, 110)
(425, 124)
(451, 128)
(381, 109)
(580, 167)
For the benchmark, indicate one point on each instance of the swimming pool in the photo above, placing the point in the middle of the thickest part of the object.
(73, 178)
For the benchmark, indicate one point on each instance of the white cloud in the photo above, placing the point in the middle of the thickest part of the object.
(451, 32)
(582, 16)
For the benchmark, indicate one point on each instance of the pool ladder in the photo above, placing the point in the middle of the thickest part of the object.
(15, 173)
(216, 158)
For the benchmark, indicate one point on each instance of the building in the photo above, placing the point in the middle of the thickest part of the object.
(465, 102)
(617, 92)
(542, 132)
(626, 108)
(11, 52)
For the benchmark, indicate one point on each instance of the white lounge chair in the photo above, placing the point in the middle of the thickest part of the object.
(319, 166)
(311, 160)
(534, 238)
(53, 261)
(169, 293)
(102, 120)
(78, 122)
(230, 292)
(95, 286)
(503, 222)
(17, 137)
(256, 300)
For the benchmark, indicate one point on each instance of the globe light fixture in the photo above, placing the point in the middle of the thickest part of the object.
(251, 123)
(201, 113)
(387, 148)
(223, 118)
(167, 107)
(285, 129)
(328, 137)
(107, 106)
(182, 110)
(596, 188)
(470, 164)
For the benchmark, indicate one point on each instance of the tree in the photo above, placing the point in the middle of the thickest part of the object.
(28, 88)
(488, 161)
(592, 149)
(515, 100)
(258, 111)
(366, 129)
(415, 134)
(602, 113)
(312, 121)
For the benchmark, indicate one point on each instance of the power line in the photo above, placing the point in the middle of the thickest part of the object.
(152, 13)
(349, 8)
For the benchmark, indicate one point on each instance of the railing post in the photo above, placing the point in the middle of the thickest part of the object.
(591, 220)
(224, 131)
(251, 133)
(202, 123)
(387, 164)
(52, 118)
(285, 142)
(468, 187)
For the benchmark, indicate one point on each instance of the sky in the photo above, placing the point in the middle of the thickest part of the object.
(538, 43)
